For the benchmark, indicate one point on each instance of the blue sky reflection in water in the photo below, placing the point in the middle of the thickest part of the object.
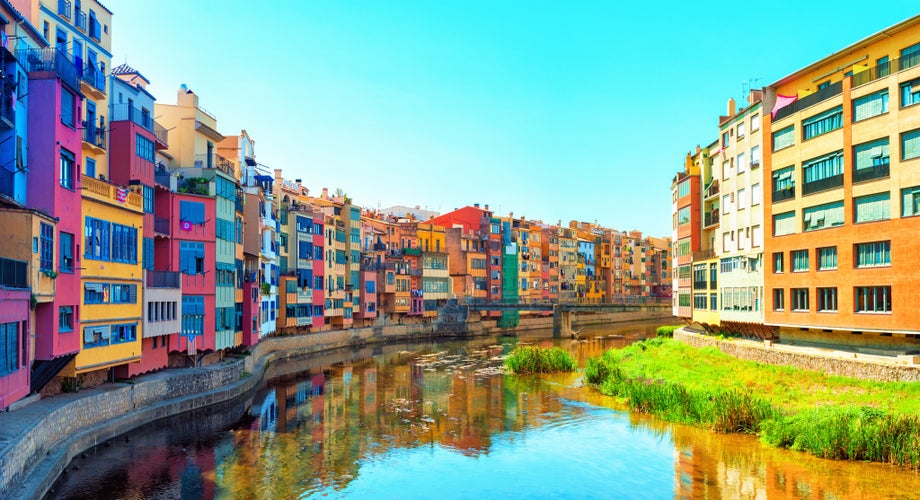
(588, 452)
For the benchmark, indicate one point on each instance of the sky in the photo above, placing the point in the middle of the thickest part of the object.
(567, 110)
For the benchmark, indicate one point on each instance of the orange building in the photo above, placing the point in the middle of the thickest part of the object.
(841, 253)
(686, 213)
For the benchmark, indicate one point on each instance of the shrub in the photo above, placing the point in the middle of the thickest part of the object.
(666, 331)
(532, 359)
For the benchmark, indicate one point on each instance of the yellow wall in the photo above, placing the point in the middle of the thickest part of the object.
(99, 202)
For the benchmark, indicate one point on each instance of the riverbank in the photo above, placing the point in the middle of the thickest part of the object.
(39, 440)
(827, 415)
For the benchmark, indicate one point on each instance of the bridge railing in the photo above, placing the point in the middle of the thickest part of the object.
(623, 300)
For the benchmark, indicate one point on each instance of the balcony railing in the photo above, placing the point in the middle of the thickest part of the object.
(699, 285)
(161, 134)
(783, 194)
(162, 177)
(127, 112)
(214, 161)
(163, 279)
(110, 193)
(50, 60)
(874, 172)
(711, 219)
(831, 182)
(94, 135)
(14, 273)
(809, 100)
(712, 190)
(93, 76)
(704, 254)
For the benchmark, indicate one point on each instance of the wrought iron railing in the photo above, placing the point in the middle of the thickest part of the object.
(93, 76)
(822, 95)
(52, 60)
(163, 279)
(874, 172)
(831, 182)
(783, 194)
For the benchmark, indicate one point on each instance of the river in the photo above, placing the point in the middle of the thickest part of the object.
(440, 420)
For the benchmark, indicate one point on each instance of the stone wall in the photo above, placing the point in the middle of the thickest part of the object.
(830, 362)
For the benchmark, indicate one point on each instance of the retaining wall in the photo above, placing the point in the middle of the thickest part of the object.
(845, 364)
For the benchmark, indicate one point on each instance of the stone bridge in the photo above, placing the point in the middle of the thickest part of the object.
(563, 311)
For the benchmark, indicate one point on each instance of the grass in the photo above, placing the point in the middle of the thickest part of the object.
(525, 360)
(829, 416)
(666, 331)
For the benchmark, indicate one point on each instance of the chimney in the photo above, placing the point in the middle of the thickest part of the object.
(186, 98)
(325, 193)
(755, 96)
(731, 106)
(277, 173)
(476, 205)
(298, 181)
(487, 206)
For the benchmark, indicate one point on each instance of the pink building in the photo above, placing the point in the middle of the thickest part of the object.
(319, 275)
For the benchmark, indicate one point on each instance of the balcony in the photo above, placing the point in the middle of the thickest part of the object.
(822, 95)
(50, 60)
(834, 181)
(161, 134)
(162, 279)
(880, 171)
(704, 254)
(214, 161)
(161, 226)
(93, 80)
(94, 137)
(783, 194)
(700, 285)
(126, 112)
(14, 273)
(711, 219)
(162, 177)
(103, 191)
(711, 191)
(7, 106)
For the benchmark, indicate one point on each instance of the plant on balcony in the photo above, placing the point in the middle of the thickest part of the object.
(51, 274)
(266, 288)
(193, 185)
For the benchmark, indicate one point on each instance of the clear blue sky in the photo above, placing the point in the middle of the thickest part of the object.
(553, 110)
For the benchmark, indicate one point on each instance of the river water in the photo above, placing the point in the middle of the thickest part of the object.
(440, 420)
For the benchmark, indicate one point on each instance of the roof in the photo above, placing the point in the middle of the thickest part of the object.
(124, 69)
(885, 33)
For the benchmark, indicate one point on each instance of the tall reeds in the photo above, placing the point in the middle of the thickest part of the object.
(531, 359)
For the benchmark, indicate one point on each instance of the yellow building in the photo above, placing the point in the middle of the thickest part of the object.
(112, 280)
(435, 265)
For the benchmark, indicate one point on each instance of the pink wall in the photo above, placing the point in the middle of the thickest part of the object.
(319, 270)
(47, 136)
(14, 308)
(198, 284)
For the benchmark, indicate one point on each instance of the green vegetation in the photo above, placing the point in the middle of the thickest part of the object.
(531, 359)
(666, 331)
(829, 416)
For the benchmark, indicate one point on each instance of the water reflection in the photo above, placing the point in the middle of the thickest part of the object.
(442, 420)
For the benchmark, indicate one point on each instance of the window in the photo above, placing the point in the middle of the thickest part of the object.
(191, 257)
(90, 167)
(67, 168)
(147, 255)
(910, 201)
(65, 319)
(740, 133)
(777, 262)
(784, 223)
(68, 107)
(910, 144)
(757, 242)
(46, 259)
(870, 105)
(724, 139)
(822, 173)
(95, 293)
(124, 333)
(714, 301)
(822, 123)
(224, 229)
(827, 258)
(827, 299)
(683, 216)
(799, 299)
(873, 254)
(124, 244)
(726, 169)
(683, 189)
(148, 199)
(726, 203)
(66, 251)
(882, 65)
(699, 276)
(823, 85)
(123, 294)
(871, 160)
(822, 216)
(784, 138)
(742, 163)
(873, 299)
(872, 207)
(755, 157)
(700, 301)
(779, 299)
(756, 194)
(191, 211)
(96, 336)
(143, 148)
(910, 93)
(799, 260)
(683, 247)
(755, 122)
(783, 184)
(742, 193)
(9, 348)
(303, 224)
